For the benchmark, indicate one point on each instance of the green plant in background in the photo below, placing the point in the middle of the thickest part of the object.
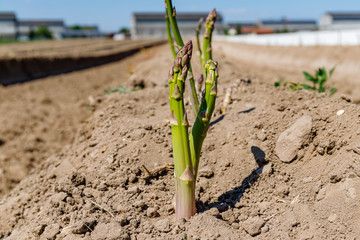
(187, 146)
(318, 82)
(40, 33)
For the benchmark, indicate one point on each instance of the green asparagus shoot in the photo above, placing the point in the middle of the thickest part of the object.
(186, 149)
(171, 14)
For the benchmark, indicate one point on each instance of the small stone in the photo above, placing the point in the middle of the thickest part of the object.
(103, 186)
(139, 204)
(148, 127)
(84, 226)
(77, 179)
(51, 231)
(291, 140)
(346, 98)
(332, 217)
(134, 190)
(307, 179)
(335, 178)
(206, 172)
(265, 229)
(163, 225)
(340, 112)
(267, 169)
(214, 212)
(152, 213)
(261, 136)
(123, 220)
(253, 225)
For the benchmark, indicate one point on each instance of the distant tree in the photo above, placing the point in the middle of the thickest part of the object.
(43, 32)
(238, 29)
(75, 27)
(124, 30)
(32, 34)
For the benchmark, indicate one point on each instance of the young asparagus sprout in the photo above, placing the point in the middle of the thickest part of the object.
(227, 99)
(209, 27)
(198, 29)
(187, 148)
(199, 85)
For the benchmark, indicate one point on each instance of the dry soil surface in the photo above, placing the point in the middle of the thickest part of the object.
(277, 165)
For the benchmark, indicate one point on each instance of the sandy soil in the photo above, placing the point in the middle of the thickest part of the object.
(72, 166)
(270, 63)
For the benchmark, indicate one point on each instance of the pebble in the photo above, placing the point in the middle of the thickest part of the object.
(291, 140)
(267, 169)
(152, 212)
(340, 112)
(253, 225)
(123, 220)
(206, 172)
(84, 226)
(51, 231)
(214, 212)
(163, 225)
(133, 190)
(332, 217)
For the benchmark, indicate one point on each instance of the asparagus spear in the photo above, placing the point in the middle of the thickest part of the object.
(170, 39)
(201, 125)
(198, 29)
(187, 150)
(184, 176)
(209, 27)
(171, 13)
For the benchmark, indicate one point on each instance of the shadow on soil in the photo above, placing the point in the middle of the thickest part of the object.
(230, 198)
(223, 116)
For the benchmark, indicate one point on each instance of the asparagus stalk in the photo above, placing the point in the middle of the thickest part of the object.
(209, 27)
(170, 39)
(198, 29)
(171, 13)
(201, 125)
(184, 175)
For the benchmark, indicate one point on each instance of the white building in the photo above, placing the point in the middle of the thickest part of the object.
(8, 25)
(153, 25)
(56, 27)
(340, 21)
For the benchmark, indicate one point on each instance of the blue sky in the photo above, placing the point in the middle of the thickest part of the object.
(111, 15)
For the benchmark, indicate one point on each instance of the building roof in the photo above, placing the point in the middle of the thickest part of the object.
(287, 22)
(242, 24)
(345, 16)
(257, 30)
(41, 23)
(179, 16)
(7, 16)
